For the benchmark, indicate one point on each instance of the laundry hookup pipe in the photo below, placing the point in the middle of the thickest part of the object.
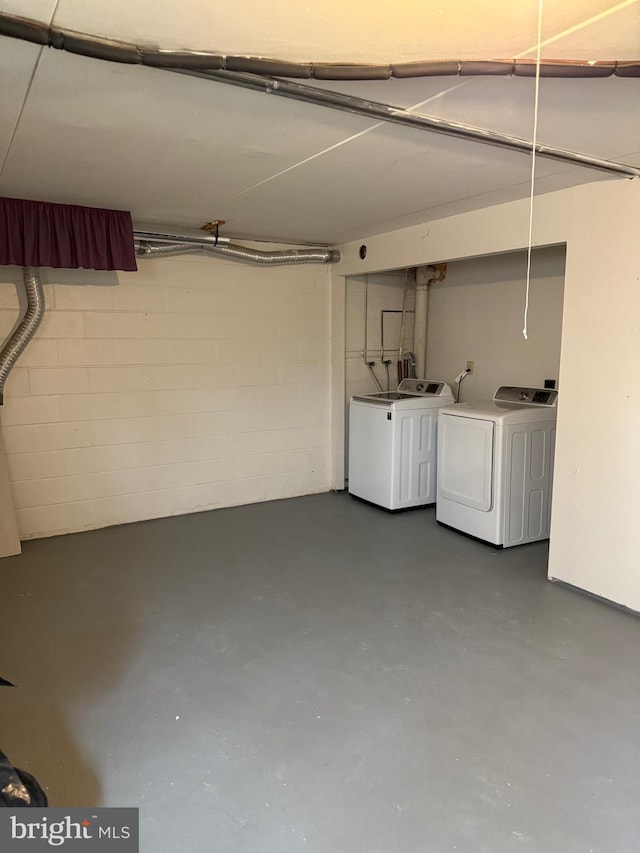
(27, 328)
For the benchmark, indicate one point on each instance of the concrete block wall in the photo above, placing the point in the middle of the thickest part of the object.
(193, 384)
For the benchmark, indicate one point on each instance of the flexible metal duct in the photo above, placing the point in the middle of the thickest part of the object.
(145, 249)
(19, 340)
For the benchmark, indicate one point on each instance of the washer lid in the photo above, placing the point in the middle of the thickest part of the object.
(383, 397)
(398, 400)
(411, 394)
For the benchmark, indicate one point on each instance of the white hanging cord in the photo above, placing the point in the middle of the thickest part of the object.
(533, 166)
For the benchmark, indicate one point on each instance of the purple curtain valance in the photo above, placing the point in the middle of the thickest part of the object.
(41, 234)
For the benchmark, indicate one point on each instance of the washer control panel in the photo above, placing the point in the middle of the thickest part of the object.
(424, 386)
(526, 396)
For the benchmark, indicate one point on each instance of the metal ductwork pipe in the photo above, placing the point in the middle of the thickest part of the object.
(405, 118)
(19, 340)
(188, 235)
(149, 249)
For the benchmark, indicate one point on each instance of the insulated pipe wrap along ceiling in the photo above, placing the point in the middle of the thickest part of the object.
(115, 51)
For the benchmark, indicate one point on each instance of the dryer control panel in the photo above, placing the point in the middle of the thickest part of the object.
(514, 394)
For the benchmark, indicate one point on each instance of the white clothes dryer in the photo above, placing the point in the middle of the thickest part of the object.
(393, 444)
(495, 466)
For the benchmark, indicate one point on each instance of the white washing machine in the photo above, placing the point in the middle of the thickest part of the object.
(495, 466)
(393, 444)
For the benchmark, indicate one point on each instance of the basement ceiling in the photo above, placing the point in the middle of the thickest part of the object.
(179, 150)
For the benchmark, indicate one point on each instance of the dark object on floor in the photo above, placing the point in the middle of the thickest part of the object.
(18, 788)
(5, 683)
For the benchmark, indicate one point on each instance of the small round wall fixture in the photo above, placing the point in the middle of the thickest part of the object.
(363, 252)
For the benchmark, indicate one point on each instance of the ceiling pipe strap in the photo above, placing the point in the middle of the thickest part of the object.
(83, 44)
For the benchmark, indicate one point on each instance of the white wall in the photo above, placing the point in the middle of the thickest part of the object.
(595, 529)
(476, 314)
(192, 384)
(385, 292)
(595, 535)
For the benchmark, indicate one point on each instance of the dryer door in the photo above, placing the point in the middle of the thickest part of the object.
(465, 461)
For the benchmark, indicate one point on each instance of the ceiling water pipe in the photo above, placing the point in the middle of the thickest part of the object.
(27, 328)
(425, 276)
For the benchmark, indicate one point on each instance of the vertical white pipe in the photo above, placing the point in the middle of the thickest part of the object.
(424, 275)
(420, 329)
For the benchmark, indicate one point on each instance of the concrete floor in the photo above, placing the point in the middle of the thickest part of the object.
(318, 675)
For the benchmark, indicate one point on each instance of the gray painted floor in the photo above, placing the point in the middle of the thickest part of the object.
(318, 675)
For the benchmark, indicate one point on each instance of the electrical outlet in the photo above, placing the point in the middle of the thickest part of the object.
(470, 367)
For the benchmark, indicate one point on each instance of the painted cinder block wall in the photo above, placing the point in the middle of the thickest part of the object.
(192, 384)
